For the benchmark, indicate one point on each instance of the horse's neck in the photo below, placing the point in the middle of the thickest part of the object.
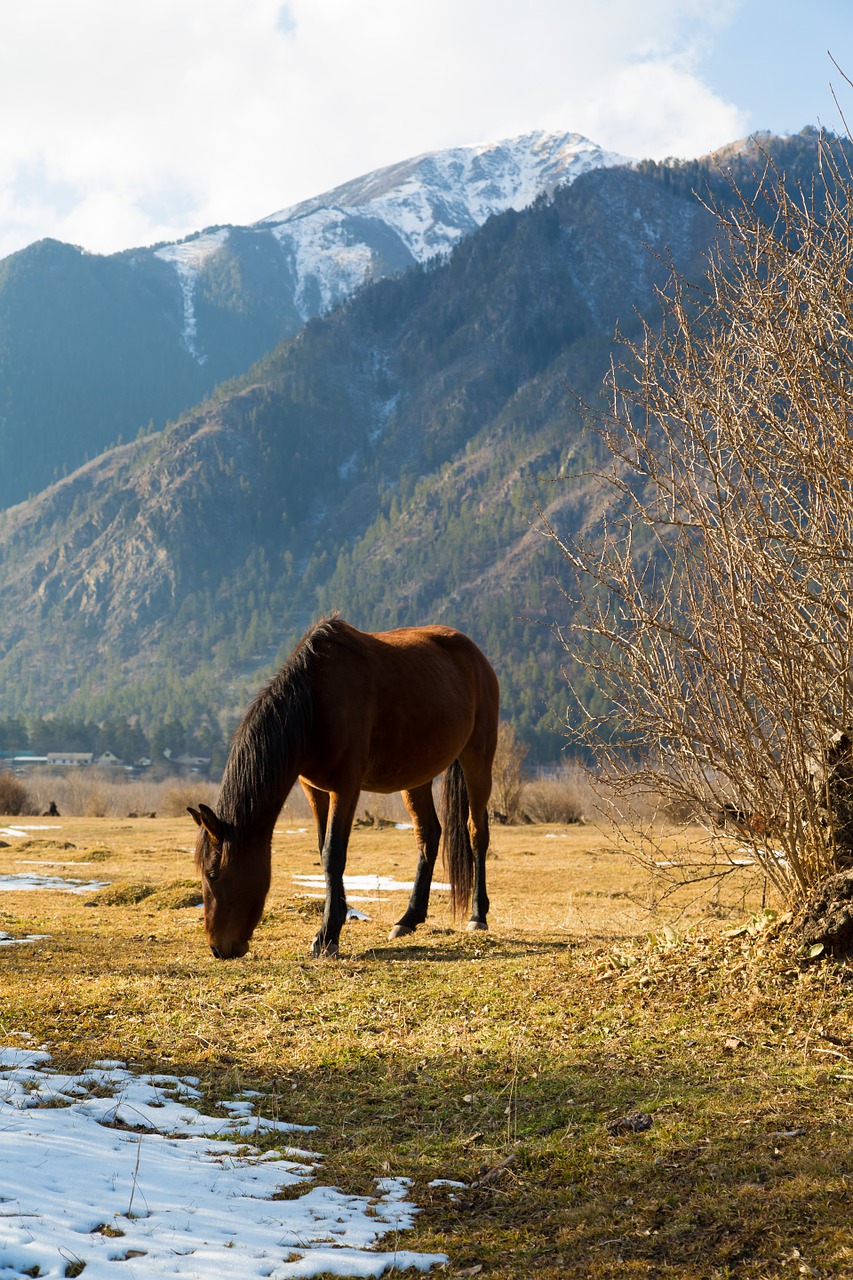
(267, 754)
(252, 804)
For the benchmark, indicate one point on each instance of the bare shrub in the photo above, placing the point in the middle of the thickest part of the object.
(176, 799)
(508, 773)
(111, 793)
(15, 799)
(715, 598)
(561, 797)
(77, 792)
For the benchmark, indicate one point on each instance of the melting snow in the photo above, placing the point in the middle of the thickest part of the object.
(372, 884)
(25, 883)
(106, 1168)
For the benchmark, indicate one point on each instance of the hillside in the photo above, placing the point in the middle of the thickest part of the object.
(97, 349)
(386, 462)
(377, 463)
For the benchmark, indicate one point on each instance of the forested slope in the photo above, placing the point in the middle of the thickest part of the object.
(386, 462)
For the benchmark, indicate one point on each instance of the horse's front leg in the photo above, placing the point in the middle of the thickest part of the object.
(319, 801)
(334, 854)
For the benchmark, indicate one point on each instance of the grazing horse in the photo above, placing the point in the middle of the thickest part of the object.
(352, 711)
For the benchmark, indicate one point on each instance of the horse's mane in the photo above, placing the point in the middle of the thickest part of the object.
(272, 736)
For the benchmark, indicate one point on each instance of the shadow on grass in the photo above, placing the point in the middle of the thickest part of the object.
(425, 952)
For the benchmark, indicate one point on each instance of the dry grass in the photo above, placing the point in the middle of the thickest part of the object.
(494, 1059)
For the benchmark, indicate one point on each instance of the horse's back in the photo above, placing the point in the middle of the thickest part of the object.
(436, 662)
(411, 699)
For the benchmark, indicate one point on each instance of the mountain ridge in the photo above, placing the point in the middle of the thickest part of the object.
(380, 462)
(387, 461)
(95, 349)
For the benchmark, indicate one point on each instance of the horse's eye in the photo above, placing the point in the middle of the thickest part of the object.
(212, 863)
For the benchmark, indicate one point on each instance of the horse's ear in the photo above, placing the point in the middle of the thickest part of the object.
(211, 823)
(196, 816)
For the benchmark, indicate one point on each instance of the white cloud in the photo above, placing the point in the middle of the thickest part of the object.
(125, 126)
(654, 109)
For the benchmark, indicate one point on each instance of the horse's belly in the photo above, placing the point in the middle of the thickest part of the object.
(397, 771)
(386, 782)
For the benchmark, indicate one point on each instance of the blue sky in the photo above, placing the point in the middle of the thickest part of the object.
(773, 59)
(122, 125)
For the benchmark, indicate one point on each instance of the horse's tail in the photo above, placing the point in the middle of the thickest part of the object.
(456, 839)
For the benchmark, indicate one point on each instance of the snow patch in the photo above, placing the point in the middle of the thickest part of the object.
(17, 832)
(187, 259)
(27, 883)
(106, 1167)
(327, 264)
(367, 884)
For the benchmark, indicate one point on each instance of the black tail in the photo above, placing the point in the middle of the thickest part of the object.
(456, 840)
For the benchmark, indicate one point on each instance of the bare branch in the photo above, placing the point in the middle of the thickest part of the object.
(715, 618)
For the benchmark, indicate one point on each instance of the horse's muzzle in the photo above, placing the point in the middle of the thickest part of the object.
(234, 952)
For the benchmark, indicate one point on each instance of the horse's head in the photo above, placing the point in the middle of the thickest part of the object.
(235, 879)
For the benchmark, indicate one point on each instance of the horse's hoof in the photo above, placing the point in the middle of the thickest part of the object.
(400, 931)
(324, 950)
(474, 926)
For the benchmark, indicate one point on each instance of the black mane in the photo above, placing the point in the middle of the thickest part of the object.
(270, 741)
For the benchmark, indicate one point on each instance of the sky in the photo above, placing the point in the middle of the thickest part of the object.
(126, 125)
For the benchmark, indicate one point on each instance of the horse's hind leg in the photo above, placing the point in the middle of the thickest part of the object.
(419, 803)
(479, 783)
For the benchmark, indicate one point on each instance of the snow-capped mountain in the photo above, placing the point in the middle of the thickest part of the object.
(96, 347)
(340, 239)
(392, 218)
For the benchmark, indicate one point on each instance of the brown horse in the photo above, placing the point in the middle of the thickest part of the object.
(350, 710)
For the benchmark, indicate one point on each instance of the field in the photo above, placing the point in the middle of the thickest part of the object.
(523, 1063)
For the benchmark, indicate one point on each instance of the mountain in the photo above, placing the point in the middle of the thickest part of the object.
(387, 461)
(97, 349)
(380, 462)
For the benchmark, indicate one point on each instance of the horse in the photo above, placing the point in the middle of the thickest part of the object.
(351, 711)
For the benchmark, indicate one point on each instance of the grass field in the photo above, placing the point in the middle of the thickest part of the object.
(504, 1061)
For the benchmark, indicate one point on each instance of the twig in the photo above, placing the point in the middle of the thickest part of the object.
(135, 1176)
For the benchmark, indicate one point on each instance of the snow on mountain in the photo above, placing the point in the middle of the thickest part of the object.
(187, 258)
(427, 204)
(472, 182)
(383, 222)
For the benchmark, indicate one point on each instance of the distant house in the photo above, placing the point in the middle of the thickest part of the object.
(190, 762)
(71, 759)
(109, 761)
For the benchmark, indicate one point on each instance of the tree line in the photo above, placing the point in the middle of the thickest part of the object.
(125, 739)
